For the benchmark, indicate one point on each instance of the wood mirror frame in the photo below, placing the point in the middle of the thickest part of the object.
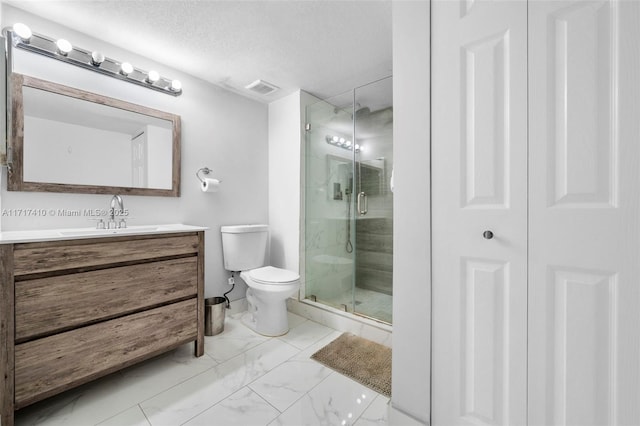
(16, 180)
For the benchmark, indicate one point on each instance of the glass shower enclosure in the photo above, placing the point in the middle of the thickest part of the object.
(348, 171)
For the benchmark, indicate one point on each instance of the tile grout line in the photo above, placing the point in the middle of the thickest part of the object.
(204, 371)
(177, 384)
(220, 364)
(301, 396)
(145, 415)
(249, 383)
(271, 405)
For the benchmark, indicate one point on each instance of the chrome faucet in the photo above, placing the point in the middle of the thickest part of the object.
(116, 199)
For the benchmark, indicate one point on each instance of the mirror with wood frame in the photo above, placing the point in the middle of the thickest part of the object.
(62, 139)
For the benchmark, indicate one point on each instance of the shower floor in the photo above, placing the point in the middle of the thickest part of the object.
(368, 302)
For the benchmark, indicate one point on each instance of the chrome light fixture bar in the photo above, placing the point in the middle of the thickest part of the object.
(342, 143)
(20, 36)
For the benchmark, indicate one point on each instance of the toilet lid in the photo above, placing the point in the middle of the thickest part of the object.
(271, 275)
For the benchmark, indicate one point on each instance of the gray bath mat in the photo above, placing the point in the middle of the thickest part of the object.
(362, 360)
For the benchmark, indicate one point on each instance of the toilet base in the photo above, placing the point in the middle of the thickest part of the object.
(249, 321)
(269, 319)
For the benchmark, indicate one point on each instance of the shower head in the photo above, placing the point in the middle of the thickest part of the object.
(363, 112)
(349, 108)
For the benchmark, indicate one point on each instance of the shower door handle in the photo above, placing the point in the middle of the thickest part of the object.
(363, 203)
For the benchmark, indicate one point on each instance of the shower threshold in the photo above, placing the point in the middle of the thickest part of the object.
(369, 304)
(383, 325)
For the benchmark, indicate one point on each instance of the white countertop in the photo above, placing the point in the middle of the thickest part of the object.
(41, 235)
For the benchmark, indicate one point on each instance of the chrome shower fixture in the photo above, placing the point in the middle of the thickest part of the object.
(21, 36)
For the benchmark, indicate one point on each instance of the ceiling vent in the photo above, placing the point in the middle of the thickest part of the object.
(262, 87)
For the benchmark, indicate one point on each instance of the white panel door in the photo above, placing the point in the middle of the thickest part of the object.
(479, 151)
(584, 239)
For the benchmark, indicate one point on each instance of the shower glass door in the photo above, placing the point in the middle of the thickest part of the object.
(373, 129)
(329, 203)
(348, 201)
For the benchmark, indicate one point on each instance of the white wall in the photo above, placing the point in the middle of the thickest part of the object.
(284, 190)
(411, 249)
(286, 142)
(220, 130)
(81, 154)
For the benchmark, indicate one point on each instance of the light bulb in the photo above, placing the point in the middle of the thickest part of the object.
(22, 31)
(357, 146)
(64, 47)
(97, 58)
(342, 140)
(176, 85)
(126, 68)
(348, 143)
(335, 139)
(152, 77)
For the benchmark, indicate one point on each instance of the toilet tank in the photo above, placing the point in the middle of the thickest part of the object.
(244, 247)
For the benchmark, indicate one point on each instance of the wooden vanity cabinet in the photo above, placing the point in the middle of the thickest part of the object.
(75, 310)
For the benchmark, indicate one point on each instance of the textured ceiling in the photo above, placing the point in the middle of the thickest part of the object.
(322, 47)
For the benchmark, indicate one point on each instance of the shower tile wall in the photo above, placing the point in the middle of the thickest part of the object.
(374, 262)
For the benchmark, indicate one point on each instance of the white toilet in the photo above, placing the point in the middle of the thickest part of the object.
(244, 248)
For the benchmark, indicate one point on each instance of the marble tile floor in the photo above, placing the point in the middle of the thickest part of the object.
(243, 379)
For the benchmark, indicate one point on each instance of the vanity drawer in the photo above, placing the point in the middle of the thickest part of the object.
(52, 304)
(47, 366)
(38, 258)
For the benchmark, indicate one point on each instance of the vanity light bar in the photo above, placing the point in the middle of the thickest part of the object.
(341, 142)
(20, 36)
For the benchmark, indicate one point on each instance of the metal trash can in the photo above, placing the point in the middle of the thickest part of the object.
(214, 308)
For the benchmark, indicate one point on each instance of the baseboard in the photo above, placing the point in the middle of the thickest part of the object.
(400, 418)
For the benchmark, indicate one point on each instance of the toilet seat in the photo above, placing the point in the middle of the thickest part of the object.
(271, 280)
(269, 275)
